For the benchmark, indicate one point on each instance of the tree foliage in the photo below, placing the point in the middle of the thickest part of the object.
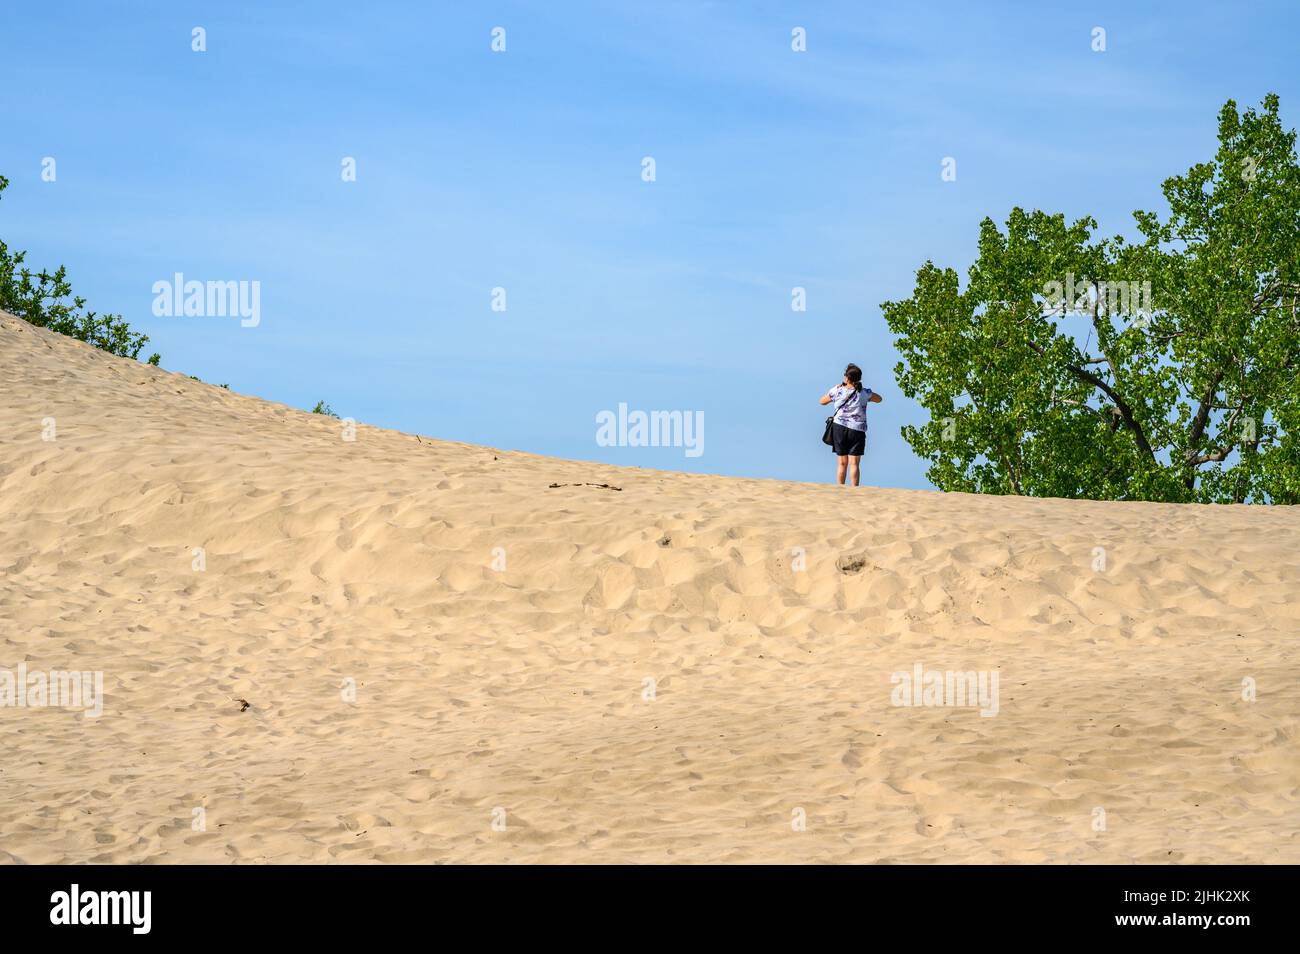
(1163, 369)
(45, 299)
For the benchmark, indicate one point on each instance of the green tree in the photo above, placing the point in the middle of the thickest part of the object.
(45, 299)
(1165, 369)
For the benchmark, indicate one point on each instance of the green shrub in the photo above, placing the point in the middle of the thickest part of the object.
(45, 299)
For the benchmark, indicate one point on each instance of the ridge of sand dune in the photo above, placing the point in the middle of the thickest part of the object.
(522, 691)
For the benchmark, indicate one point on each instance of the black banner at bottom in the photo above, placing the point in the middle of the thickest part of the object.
(243, 905)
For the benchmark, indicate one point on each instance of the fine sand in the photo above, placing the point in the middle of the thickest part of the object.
(506, 713)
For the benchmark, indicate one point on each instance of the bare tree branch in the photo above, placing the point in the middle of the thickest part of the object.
(1139, 435)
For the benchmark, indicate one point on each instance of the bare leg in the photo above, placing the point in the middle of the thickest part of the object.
(841, 469)
(853, 469)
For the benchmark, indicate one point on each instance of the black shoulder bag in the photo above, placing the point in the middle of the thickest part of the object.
(827, 437)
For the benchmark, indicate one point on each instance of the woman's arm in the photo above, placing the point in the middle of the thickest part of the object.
(826, 398)
(875, 398)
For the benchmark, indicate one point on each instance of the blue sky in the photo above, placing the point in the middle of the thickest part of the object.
(522, 170)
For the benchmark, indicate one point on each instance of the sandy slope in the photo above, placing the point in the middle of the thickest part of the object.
(523, 689)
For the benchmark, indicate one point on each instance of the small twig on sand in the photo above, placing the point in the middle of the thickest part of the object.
(587, 484)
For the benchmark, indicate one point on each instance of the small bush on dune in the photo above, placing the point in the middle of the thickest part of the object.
(45, 299)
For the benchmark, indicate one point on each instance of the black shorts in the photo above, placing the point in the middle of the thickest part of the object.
(847, 442)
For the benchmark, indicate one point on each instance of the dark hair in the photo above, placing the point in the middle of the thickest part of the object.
(854, 374)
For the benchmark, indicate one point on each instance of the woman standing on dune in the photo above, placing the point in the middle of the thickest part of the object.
(847, 427)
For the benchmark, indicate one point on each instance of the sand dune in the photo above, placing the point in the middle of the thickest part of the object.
(770, 617)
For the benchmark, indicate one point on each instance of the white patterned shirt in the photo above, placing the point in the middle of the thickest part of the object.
(854, 412)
